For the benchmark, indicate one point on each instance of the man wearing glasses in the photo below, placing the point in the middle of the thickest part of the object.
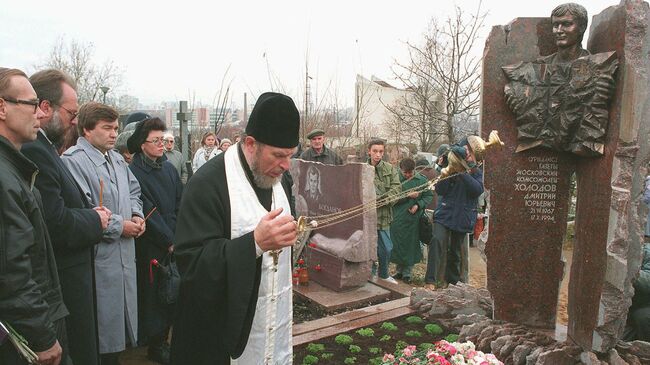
(174, 156)
(75, 226)
(30, 294)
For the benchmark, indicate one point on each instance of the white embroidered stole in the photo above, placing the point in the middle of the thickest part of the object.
(270, 337)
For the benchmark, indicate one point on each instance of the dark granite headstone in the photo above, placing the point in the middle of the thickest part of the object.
(529, 190)
(345, 250)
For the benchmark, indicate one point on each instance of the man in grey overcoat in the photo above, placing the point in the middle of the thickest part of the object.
(105, 179)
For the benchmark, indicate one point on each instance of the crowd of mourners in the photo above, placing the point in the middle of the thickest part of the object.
(102, 249)
(88, 223)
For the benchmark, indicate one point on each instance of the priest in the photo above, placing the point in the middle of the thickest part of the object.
(233, 247)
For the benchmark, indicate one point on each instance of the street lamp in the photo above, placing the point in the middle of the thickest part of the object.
(104, 89)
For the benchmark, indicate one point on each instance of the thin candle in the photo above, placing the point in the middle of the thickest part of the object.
(150, 213)
(101, 192)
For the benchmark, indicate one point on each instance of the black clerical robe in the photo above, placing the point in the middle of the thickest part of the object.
(220, 276)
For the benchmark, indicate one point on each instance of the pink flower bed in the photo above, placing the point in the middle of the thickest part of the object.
(443, 353)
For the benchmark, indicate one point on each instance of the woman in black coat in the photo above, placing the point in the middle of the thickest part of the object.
(161, 194)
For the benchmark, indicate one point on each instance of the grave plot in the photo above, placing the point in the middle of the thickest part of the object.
(368, 344)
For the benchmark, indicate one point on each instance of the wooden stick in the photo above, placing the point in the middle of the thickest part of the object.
(150, 213)
(101, 192)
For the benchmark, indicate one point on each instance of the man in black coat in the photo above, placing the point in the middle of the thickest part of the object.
(30, 294)
(74, 226)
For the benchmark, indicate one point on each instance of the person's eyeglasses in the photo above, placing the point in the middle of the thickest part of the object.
(157, 141)
(72, 114)
(169, 141)
(34, 102)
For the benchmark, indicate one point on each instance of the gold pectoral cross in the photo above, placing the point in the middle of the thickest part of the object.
(275, 254)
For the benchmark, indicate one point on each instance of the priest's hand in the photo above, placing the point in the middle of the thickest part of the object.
(274, 232)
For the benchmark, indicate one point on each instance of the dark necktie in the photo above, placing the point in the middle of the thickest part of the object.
(109, 166)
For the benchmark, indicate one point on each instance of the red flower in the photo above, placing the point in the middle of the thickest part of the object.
(312, 245)
(301, 262)
(318, 267)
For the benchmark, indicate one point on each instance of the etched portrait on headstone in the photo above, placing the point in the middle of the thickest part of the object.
(344, 241)
(561, 101)
(313, 191)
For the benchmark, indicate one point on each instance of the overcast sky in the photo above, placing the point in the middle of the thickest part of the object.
(171, 49)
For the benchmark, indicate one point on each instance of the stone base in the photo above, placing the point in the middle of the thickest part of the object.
(336, 273)
(452, 301)
(517, 344)
(330, 301)
(464, 310)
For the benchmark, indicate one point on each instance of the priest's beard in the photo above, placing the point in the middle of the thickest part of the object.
(54, 130)
(262, 181)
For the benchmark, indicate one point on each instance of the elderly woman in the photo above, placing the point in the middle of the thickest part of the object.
(209, 149)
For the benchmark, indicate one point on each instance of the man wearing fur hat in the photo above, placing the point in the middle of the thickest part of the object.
(233, 246)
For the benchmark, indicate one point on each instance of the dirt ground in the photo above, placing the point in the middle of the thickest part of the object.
(477, 278)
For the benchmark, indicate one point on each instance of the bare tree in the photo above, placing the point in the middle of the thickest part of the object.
(327, 113)
(76, 58)
(443, 77)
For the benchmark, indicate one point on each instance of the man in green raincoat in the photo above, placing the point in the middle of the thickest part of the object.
(406, 218)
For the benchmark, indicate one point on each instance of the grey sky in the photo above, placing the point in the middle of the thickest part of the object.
(169, 49)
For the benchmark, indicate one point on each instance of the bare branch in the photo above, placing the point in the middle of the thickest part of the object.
(76, 59)
(443, 78)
